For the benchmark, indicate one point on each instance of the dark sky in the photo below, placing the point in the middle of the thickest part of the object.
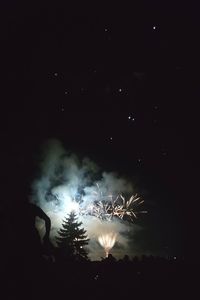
(120, 85)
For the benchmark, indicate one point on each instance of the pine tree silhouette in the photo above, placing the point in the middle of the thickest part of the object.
(72, 239)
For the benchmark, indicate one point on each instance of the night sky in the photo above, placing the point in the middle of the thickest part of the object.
(119, 85)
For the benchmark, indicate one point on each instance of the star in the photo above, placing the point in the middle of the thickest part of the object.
(62, 109)
(131, 118)
(56, 74)
(66, 92)
(111, 138)
(154, 27)
(120, 90)
(105, 29)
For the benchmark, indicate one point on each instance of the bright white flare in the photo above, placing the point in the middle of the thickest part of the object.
(107, 241)
(73, 206)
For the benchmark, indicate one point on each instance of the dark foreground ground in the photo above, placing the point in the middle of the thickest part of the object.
(144, 279)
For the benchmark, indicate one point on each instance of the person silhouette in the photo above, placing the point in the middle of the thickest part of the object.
(24, 266)
(32, 236)
(27, 242)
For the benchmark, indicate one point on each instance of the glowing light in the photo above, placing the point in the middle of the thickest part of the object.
(131, 118)
(73, 206)
(107, 241)
(126, 208)
(69, 205)
(107, 207)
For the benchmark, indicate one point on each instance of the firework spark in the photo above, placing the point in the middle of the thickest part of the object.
(106, 209)
(127, 208)
(107, 241)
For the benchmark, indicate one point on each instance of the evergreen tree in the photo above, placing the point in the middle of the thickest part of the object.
(72, 239)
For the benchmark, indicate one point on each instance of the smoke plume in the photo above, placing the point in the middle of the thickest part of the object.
(64, 177)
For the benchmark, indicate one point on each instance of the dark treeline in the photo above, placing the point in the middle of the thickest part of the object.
(49, 277)
(31, 269)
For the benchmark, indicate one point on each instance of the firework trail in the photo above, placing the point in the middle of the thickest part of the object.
(107, 241)
(105, 208)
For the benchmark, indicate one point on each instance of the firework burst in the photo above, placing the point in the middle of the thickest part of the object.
(107, 241)
(127, 208)
(106, 209)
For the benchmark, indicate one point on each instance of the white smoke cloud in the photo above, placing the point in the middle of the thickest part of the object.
(63, 178)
